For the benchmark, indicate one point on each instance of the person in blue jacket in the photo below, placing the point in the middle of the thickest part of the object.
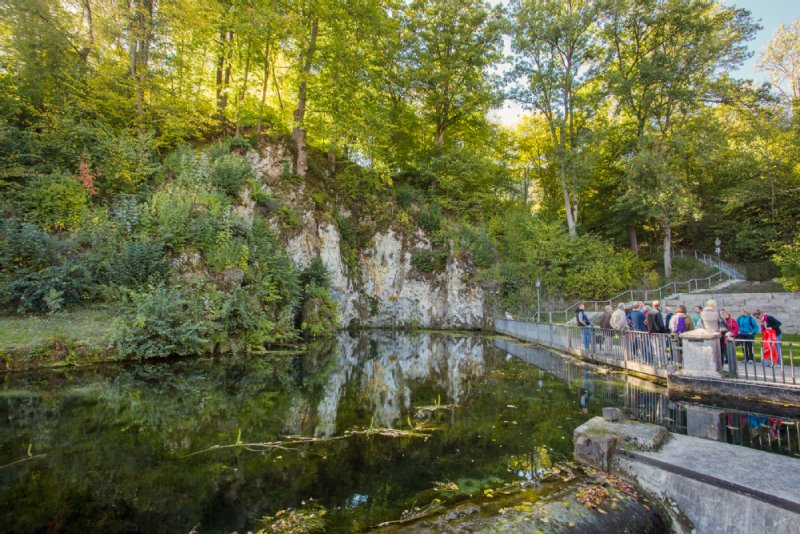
(748, 328)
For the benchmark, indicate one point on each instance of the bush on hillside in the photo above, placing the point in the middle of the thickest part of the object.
(230, 172)
(57, 202)
(162, 322)
(788, 261)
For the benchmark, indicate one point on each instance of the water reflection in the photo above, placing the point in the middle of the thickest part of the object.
(382, 366)
(644, 401)
(133, 448)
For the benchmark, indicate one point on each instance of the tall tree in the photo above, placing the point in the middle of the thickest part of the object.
(558, 55)
(781, 60)
(667, 59)
(454, 44)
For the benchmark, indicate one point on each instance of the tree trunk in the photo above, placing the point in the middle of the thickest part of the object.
(223, 75)
(667, 250)
(243, 92)
(141, 24)
(633, 242)
(299, 132)
(571, 219)
(88, 45)
(263, 87)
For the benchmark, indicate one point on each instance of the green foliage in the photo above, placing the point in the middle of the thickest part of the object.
(788, 261)
(24, 246)
(428, 261)
(430, 217)
(319, 316)
(55, 202)
(289, 217)
(139, 263)
(230, 173)
(162, 322)
(762, 271)
(169, 215)
(49, 290)
(316, 274)
(479, 245)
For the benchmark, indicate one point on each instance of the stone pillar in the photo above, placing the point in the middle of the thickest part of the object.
(701, 354)
(704, 422)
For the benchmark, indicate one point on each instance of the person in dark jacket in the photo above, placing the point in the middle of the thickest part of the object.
(770, 322)
(655, 322)
(583, 320)
(637, 325)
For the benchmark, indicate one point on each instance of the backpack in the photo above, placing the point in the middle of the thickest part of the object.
(680, 325)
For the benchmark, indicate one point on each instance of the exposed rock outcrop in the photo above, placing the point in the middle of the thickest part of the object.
(382, 288)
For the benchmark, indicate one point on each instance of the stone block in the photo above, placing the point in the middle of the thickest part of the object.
(611, 414)
(596, 450)
(597, 440)
(701, 354)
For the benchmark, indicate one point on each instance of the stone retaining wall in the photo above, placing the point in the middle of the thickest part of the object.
(784, 306)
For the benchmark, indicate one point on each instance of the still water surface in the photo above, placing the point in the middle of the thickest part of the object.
(125, 448)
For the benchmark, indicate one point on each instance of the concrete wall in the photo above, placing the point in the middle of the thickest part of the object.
(720, 488)
(784, 306)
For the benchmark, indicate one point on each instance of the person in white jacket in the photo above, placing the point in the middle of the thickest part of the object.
(619, 321)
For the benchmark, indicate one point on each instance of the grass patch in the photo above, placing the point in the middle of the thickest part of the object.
(88, 326)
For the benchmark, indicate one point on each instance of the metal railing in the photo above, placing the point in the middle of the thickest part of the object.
(761, 361)
(714, 261)
(725, 271)
(651, 354)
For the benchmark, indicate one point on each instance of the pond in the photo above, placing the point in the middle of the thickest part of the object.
(172, 446)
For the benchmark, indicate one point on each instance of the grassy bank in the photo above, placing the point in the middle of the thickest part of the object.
(74, 337)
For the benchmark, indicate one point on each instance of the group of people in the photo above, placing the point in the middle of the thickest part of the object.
(652, 319)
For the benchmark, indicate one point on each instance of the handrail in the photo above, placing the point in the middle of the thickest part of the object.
(723, 270)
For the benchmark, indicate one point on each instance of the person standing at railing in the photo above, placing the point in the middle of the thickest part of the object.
(711, 320)
(768, 322)
(667, 317)
(604, 322)
(733, 332)
(637, 325)
(619, 324)
(619, 320)
(655, 325)
(748, 328)
(696, 315)
(583, 321)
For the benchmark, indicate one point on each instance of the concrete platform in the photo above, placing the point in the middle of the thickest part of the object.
(720, 488)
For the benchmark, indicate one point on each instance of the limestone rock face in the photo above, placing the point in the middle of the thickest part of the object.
(382, 288)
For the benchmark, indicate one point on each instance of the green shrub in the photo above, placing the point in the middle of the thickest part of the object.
(788, 262)
(262, 197)
(405, 196)
(289, 218)
(162, 322)
(230, 172)
(24, 246)
(316, 274)
(128, 161)
(479, 245)
(763, 271)
(243, 324)
(55, 202)
(49, 290)
(139, 263)
(428, 261)
(319, 315)
(430, 217)
(169, 216)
